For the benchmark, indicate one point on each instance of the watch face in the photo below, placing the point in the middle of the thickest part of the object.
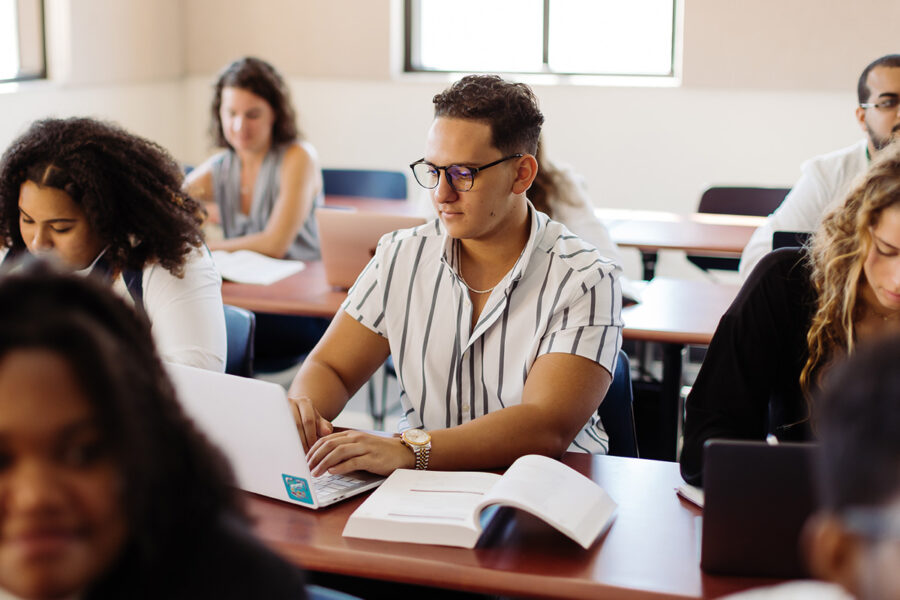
(416, 436)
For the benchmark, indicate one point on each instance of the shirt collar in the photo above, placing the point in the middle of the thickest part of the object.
(538, 223)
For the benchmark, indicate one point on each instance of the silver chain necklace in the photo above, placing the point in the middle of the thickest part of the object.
(473, 290)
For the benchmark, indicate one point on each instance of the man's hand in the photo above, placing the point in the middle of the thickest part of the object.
(310, 424)
(347, 451)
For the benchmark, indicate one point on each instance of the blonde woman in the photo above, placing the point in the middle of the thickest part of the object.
(799, 312)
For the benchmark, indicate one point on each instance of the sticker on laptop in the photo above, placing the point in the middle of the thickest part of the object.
(297, 489)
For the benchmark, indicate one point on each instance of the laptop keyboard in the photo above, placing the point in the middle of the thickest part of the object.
(328, 485)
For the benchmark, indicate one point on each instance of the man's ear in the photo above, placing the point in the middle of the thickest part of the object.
(526, 171)
(832, 552)
(861, 118)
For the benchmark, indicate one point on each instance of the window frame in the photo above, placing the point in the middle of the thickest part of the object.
(38, 47)
(409, 67)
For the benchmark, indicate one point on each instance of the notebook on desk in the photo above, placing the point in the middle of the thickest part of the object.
(252, 423)
(757, 498)
(348, 239)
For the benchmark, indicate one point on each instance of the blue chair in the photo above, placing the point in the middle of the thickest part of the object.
(754, 201)
(317, 592)
(240, 325)
(617, 413)
(356, 182)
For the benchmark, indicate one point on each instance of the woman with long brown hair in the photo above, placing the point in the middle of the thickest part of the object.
(798, 313)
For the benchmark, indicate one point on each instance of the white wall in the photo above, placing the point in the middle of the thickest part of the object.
(765, 86)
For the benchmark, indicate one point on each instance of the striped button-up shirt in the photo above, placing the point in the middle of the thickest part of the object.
(560, 296)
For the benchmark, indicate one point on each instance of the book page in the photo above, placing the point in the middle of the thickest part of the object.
(431, 507)
(246, 266)
(556, 493)
(430, 495)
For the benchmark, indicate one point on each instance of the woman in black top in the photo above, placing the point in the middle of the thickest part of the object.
(799, 311)
(106, 488)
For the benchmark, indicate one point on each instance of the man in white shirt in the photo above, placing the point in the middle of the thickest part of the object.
(826, 179)
(503, 325)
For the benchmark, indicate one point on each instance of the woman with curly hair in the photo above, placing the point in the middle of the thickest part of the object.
(263, 188)
(799, 313)
(106, 202)
(265, 184)
(107, 490)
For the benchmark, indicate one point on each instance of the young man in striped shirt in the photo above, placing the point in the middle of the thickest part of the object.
(504, 326)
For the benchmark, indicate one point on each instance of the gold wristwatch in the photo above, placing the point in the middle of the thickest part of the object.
(419, 441)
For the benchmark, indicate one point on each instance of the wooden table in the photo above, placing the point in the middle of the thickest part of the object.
(676, 313)
(700, 233)
(650, 551)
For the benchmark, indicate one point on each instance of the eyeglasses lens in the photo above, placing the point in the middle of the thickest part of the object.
(461, 177)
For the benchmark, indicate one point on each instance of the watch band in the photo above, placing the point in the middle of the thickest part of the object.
(423, 453)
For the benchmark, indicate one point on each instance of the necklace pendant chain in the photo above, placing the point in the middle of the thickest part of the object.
(473, 290)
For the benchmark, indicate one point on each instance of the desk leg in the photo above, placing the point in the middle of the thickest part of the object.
(648, 260)
(671, 388)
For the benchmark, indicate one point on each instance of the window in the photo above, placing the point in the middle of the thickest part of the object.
(577, 37)
(21, 40)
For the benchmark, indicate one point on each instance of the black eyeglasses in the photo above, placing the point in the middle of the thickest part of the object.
(460, 178)
(891, 103)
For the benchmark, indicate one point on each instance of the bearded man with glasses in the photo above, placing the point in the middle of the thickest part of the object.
(504, 326)
(826, 179)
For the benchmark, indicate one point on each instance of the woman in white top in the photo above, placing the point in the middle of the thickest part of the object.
(109, 203)
(561, 194)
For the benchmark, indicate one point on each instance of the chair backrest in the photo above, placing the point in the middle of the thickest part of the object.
(617, 413)
(240, 327)
(374, 184)
(753, 201)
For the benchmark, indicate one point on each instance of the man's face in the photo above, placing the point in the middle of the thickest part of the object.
(880, 124)
(491, 207)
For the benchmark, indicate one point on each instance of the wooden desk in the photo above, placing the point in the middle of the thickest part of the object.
(675, 313)
(385, 205)
(305, 293)
(699, 233)
(650, 551)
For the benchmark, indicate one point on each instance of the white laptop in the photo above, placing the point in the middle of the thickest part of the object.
(252, 423)
(348, 239)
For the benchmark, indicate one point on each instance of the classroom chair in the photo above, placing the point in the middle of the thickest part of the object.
(617, 413)
(359, 182)
(240, 325)
(753, 201)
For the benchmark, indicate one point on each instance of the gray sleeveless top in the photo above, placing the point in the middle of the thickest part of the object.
(226, 174)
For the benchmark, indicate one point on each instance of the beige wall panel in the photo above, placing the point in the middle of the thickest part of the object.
(122, 41)
(785, 44)
(310, 38)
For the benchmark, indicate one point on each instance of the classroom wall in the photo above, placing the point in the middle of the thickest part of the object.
(765, 85)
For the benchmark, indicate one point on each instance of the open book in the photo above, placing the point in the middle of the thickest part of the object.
(445, 507)
(246, 266)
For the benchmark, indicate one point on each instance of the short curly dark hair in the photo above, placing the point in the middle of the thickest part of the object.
(510, 109)
(259, 77)
(129, 187)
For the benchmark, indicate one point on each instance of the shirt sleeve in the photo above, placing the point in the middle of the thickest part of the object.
(365, 299)
(590, 325)
(754, 355)
(186, 315)
(801, 210)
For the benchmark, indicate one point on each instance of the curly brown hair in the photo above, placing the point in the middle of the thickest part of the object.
(129, 188)
(259, 77)
(510, 109)
(838, 251)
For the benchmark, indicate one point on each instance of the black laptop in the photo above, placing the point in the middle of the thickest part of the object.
(757, 499)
